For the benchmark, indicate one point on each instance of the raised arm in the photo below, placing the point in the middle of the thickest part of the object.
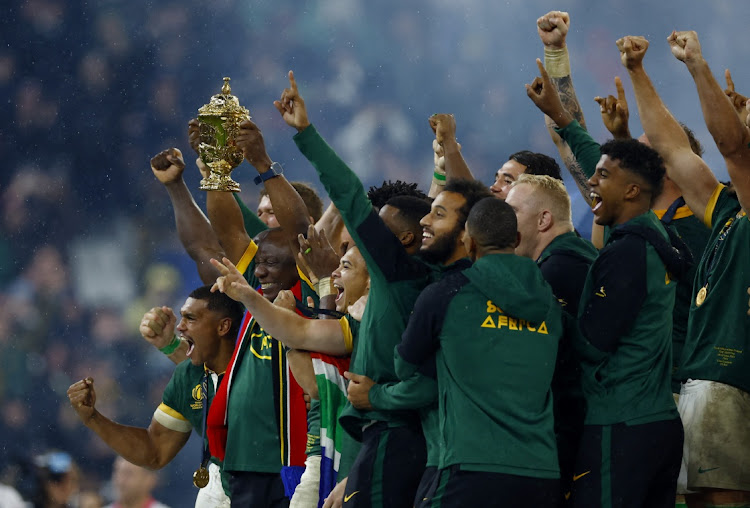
(193, 228)
(288, 206)
(225, 213)
(584, 149)
(444, 127)
(729, 133)
(343, 186)
(553, 30)
(152, 448)
(666, 136)
(294, 331)
(380, 248)
(332, 223)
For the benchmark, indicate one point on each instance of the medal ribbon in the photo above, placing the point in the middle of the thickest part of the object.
(711, 261)
(206, 454)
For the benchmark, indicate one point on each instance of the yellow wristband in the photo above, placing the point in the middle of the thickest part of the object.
(325, 288)
(557, 62)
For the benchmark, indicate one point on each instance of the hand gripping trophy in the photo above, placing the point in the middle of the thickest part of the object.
(219, 123)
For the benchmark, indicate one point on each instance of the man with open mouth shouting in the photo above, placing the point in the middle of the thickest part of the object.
(209, 326)
(625, 318)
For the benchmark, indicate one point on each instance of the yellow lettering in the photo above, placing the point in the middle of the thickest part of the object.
(265, 343)
(512, 324)
(543, 328)
(531, 328)
(521, 323)
(491, 307)
(488, 323)
(502, 321)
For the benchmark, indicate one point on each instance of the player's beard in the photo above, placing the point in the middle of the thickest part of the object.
(442, 247)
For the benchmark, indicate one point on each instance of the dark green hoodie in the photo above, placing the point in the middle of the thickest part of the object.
(495, 328)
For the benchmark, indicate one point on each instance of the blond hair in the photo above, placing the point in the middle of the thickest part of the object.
(550, 193)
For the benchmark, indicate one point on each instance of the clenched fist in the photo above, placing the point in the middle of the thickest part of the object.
(83, 398)
(685, 46)
(168, 166)
(553, 28)
(632, 50)
(157, 326)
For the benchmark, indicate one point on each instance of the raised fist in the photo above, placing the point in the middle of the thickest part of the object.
(168, 166)
(685, 46)
(632, 50)
(553, 28)
(444, 127)
(157, 326)
(83, 398)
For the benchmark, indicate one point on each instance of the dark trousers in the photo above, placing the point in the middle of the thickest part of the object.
(257, 490)
(427, 487)
(459, 489)
(626, 466)
(387, 469)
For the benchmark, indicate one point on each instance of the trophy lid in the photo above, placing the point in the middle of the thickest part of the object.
(224, 104)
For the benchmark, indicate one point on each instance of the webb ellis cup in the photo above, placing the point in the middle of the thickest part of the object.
(219, 122)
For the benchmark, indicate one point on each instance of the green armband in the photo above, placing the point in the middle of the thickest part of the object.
(172, 346)
(438, 176)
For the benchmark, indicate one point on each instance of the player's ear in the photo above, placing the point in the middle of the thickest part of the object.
(406, 238)
(225, 324)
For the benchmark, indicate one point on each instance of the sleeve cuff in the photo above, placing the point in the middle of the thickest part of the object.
(247, 257)
(306, 136)
(347, 331)
(711, 205)
(566, 131)
(376, 396)
(171, 419)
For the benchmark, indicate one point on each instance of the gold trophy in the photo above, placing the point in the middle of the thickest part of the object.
(219, 124)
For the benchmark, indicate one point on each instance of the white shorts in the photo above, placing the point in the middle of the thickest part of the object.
(212, 495)
(716, 453)
(307, 493)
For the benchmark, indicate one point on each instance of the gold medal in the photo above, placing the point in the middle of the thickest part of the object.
(701, 296)
(200, 477)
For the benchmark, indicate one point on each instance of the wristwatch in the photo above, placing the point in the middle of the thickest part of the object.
(276, 169)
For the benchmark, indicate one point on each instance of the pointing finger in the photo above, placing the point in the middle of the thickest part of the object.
(730, 83)
(620, 90)
(542, 70)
